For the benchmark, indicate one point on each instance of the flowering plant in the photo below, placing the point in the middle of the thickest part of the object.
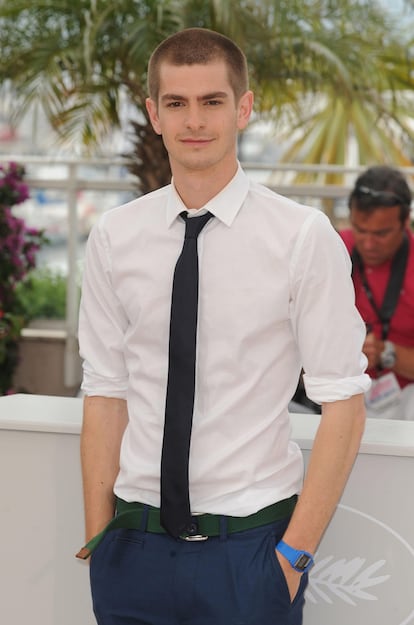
(18, 247)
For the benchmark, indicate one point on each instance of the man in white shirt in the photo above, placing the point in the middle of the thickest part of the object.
(275, 295)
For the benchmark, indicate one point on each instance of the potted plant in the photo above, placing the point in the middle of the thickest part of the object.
(18, 247)
(41, 301)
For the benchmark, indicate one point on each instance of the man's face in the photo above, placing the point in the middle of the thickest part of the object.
(378, 235)
(198, 116)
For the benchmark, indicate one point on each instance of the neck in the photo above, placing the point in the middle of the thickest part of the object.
(196, 188)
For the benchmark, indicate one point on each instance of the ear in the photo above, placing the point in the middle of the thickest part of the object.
(245, 108)
(152, 110)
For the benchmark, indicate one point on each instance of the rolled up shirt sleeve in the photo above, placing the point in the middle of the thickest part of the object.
(102, 323)
(328, 328)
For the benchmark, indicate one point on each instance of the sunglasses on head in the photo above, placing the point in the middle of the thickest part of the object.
(382, 198)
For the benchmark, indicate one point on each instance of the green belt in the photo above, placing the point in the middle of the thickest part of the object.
(129, 516)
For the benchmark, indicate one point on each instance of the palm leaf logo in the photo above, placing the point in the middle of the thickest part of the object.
(348, 580)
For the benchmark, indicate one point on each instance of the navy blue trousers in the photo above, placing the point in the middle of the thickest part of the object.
(140, 578)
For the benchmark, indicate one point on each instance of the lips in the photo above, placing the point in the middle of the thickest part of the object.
(196, 141)
(372, 260)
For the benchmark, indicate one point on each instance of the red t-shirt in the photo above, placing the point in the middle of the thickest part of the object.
(401, 330)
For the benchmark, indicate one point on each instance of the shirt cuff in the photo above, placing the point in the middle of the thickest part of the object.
(322, 390)
(96, 385)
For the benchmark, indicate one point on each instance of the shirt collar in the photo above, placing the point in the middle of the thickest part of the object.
(225, 205)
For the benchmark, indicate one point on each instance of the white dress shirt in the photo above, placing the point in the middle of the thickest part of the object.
(275, 294)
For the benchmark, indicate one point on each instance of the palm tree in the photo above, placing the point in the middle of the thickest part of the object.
(358, 110)
(81, 58)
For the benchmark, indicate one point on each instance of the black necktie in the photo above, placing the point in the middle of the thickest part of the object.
(175, 499)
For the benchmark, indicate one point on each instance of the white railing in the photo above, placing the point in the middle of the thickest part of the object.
(278, 177)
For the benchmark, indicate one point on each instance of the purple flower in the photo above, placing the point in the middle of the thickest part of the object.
(18, 247)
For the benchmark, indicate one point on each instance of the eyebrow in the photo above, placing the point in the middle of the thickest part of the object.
(168, 97)
(364, 231)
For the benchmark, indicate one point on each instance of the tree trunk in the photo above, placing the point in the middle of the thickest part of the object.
(149, 159)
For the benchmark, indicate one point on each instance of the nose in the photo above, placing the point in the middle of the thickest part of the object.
(368, 242)
(195, 118)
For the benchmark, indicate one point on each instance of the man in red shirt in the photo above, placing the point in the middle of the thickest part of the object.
(382, 250)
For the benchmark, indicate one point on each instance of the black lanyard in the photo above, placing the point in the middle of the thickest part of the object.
(394, 286)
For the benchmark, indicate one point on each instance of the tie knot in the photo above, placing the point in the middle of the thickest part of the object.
(194, 225)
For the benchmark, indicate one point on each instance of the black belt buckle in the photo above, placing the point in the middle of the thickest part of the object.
(192, 533)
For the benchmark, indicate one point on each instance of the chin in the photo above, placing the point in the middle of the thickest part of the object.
(373, 262)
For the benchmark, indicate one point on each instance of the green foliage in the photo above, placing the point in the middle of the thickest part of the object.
(42, 294)
(10, 327)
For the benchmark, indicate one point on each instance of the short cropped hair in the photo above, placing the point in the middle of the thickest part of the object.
(199, 46)
(381, 186)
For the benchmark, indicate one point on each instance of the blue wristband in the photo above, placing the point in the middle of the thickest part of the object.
(301, 561)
